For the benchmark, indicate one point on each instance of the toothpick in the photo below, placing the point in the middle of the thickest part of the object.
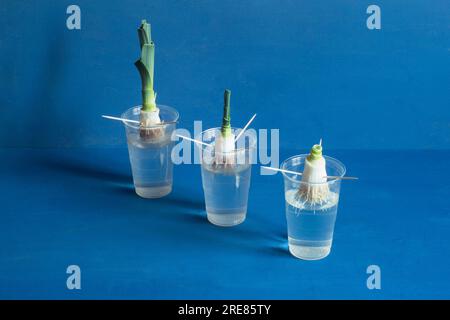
(121, 119)
(194, 140)
(320, 142)
(300, 174)
(245, 128)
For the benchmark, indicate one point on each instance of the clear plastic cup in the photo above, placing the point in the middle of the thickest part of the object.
(226, 177)
(150, 152)
(311, 225)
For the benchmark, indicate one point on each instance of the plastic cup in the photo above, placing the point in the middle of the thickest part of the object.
(150, 155)
(226, 177)
(310, 225)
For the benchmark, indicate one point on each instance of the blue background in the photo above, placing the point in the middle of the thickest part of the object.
(378, 98)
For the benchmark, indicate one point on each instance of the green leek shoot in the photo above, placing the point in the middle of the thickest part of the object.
(149, 115)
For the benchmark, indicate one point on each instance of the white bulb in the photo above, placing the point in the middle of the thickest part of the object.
(314, 188)
(150, 118)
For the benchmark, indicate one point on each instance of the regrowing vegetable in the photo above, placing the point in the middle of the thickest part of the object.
(225, 145)
(145, 66)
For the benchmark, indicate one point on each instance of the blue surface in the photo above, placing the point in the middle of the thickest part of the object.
(289, 62)
(77, 206)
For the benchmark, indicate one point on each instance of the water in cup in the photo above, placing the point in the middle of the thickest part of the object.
(310, 226)
(151, 165)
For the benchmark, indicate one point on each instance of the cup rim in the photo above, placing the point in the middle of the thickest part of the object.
(328, 158)
(200, 146)
(159, 106)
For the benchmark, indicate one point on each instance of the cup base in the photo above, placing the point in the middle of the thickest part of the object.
(153, 193)
(226, 220)
(308, 252)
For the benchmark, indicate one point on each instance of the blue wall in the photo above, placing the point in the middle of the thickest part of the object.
(310, 68)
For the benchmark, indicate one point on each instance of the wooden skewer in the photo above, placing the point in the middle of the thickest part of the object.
(120, 119)
(300, 174)
(342, 178)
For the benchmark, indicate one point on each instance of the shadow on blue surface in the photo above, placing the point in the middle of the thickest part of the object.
(92, 168)
(180, 213)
